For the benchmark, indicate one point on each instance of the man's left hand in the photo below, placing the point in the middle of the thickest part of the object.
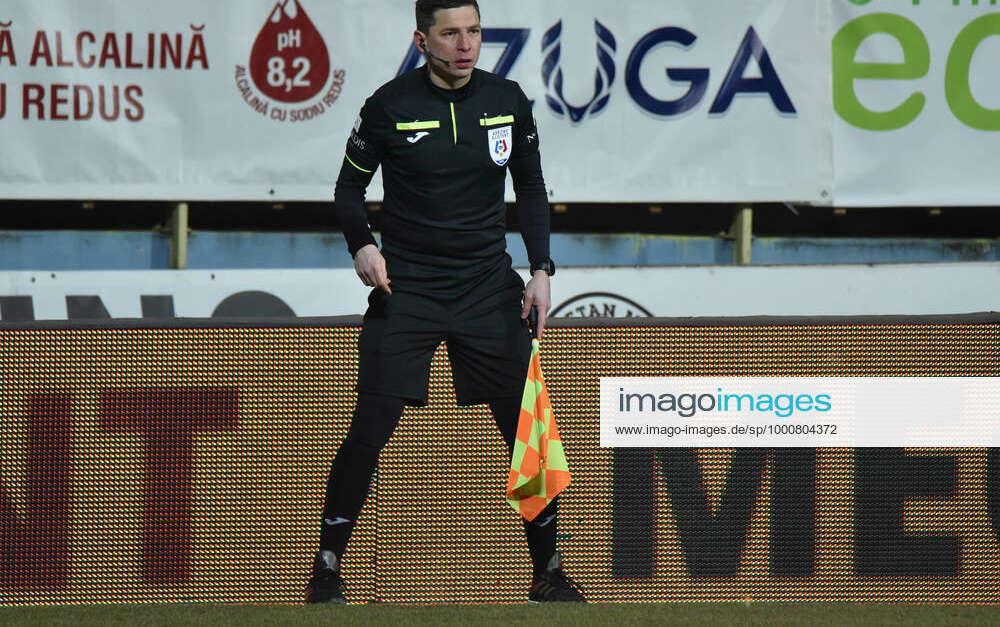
(536, 293)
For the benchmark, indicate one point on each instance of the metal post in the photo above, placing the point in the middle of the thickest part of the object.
(742, 235)
(179, 237)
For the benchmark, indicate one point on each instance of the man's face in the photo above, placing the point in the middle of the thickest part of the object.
(453, 43)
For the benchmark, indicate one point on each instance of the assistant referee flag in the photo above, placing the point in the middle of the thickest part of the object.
(538, 469)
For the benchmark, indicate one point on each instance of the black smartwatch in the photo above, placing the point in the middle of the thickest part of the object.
(547, 265)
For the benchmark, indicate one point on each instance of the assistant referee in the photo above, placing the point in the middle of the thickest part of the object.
(445, 135)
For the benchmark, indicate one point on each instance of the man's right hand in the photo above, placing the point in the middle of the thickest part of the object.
(370, 266)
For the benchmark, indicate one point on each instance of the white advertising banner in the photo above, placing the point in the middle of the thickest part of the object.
(799, 411)
(698, 291)
(917, 102)
(253, 100)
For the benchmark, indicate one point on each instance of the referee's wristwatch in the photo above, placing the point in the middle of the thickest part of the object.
(547, 265)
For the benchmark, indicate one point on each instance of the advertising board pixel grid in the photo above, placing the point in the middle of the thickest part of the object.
(188, 464)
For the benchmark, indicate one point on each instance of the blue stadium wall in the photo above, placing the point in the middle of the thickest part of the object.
(142, 250)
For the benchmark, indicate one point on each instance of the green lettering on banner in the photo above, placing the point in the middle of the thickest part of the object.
(916, 62)
(956, 78)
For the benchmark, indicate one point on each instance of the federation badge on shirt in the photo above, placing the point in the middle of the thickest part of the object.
(501, 141)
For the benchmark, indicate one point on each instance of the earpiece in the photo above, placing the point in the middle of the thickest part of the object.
(423, 48)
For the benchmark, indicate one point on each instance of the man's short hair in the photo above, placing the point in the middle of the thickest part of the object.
(426, 9)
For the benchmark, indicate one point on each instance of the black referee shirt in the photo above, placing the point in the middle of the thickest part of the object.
(444, 157)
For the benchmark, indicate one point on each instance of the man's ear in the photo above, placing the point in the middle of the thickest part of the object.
(420, 41)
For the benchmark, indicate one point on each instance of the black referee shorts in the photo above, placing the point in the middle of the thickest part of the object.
(488, 344)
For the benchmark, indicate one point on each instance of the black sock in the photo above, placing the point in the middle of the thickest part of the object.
(346, 490)
(541, 533)
(351, 473)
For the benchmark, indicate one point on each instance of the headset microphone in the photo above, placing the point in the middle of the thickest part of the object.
(423, 47)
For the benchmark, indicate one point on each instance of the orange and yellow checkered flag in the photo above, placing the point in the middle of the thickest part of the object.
(538, 469)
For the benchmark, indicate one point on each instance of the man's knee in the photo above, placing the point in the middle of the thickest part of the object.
(506, 412)
(375, 418)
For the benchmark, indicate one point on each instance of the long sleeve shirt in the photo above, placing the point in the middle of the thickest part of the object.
(444, 156)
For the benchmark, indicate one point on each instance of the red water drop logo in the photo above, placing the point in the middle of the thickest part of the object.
(289, 61)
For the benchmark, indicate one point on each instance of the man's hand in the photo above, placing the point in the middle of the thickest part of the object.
(370, 266)
(536, 293)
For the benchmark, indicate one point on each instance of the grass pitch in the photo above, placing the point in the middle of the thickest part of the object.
(715, 615)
